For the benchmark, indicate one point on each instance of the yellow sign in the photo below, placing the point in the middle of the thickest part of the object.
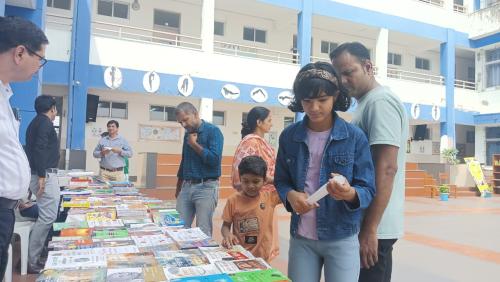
(475, 170)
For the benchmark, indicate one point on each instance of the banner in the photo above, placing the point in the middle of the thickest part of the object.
(475, 170)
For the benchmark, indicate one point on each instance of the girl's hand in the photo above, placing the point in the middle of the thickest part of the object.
(341, 191)
(298, 202)
(230, 240)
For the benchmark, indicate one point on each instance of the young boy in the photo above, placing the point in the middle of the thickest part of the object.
(250, 211)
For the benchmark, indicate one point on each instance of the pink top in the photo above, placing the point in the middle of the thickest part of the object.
(316, 142)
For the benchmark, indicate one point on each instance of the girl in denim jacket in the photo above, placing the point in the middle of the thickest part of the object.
(311, 152)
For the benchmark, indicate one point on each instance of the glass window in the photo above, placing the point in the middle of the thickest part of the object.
(59, 4)
(120, 10)
(288, 121)
(219, 28)
(166, 18)
(253, 34)
(421, 63)
(170, 114)
(327, 47)
(103, 109)
(218, 118)
(492, 67)
(119, 110)
(156, 113)
(260, 36)
(112, 9)
(492, 132)
(248, 34)
(394, 59)
(105, 8)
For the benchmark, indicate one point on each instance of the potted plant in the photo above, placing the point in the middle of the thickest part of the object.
(444, 192)
(450, 156)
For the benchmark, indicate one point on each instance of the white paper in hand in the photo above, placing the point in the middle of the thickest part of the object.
(322, 191)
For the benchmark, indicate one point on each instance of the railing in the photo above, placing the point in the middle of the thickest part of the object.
(471, 85)
(145, 35)
(415, 76)
(459, 8)
(439, 3)
(59, 21)
(484, 21)
(255, 52)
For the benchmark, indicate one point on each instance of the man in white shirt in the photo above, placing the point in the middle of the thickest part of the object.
(22, 51)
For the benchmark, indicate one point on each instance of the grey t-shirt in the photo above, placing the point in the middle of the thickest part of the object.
(382, 116)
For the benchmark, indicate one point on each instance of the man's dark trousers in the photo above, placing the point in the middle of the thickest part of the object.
(7, 221)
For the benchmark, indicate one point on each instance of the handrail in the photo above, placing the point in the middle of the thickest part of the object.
(459, 8)
(415, 76)
(471, 85)
(146, 35)
(235, 49)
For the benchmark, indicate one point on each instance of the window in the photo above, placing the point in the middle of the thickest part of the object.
(493, 67)
(423, 64)
(162, 113)
(394, 59)
(471, 74)
(112, 109)
(253, 34)
(328, 47)
(288, 121)
(218, 118)
(165, 18)
(113, 8)
(59, 4)
(471, 136)
(219, 28)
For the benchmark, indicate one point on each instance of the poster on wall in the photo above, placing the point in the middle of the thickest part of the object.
(259, 95)
(475, 170)
(185, 85)
(113, 77)
(159, 133)
(285, 98)
(230, 92)
(415, 110)
(151, 82)
(436, 112)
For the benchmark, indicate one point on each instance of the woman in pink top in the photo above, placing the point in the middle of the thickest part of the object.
(258, 123)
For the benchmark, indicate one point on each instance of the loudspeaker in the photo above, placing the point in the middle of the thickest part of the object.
(92, 104)
(420, 132)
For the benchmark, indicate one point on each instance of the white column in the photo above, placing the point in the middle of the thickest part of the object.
(381, 51)
(480, 144)
(206, 110)
(207, 25)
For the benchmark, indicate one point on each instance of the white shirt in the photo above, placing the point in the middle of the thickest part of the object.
(15, 172)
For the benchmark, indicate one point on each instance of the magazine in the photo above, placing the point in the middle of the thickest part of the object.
(81, 275)
(236, 266)
(237, 252)
(131, 260)
(75, 262)
(268, 275)
(181, 258)
(180, 272)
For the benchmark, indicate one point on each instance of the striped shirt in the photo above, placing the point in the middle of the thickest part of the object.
(15, 171)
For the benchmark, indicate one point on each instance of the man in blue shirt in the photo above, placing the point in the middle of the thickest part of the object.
(198, 176)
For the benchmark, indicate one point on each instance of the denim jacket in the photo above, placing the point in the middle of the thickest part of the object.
(347, 152)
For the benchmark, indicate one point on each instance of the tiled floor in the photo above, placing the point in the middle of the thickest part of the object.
(457, 240)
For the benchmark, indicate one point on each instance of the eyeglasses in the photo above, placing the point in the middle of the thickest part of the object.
(43, 61)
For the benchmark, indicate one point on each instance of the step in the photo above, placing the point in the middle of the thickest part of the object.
(414, 182)
(417, 192)
(415, 174)
(411, 166)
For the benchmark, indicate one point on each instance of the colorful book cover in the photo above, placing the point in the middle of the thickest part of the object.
(83, 232)
(110, 233)
(107, 215)
(168, 217)
(70, 244)
(106, 223)
(110, 243)
(180, 272)
(237, 252)
(81, 275)
(131, 260)
(236, 266)
(76, 204)
(153, 274)
(207, 278)
(58, 226)
(185, 245)
(74, 262)
(181, 258)
(268, 275)
(125, 274)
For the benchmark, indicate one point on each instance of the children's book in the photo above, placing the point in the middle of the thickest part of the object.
(75, 262)
(208, 278)
(67, 275)
(131, 260)
(237, 252)
(181, 258)
(268, 275)
(181, 272)
(236, 266)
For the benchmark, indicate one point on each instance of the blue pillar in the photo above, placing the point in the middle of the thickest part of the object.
(25, 93)
(78, 71)
(448, 72)
(2, 8)
(304, 35)
(477, 5)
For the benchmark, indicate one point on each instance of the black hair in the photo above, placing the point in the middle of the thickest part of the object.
(253, 165)
(15, 31)
(186, 107)
(44, 103)
(255, 114)
(356, 49)
(113, 122)
(312, 86)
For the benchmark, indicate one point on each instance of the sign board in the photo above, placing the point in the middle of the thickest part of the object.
(151, 82)
(113, 77)
(474, 167)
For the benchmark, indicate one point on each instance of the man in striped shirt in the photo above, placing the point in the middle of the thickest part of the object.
(22, 51)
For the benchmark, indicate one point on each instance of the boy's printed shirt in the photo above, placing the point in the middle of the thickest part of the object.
(252, 220)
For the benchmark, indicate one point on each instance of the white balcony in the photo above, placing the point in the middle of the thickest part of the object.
(485, 21)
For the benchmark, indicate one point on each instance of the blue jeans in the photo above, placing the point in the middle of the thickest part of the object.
(31, 212)
(198, 200)
(340, 258)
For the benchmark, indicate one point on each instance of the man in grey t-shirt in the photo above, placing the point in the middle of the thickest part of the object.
(382, 116)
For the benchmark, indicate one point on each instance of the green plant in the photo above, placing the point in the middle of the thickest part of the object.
(444, 189)
(450, 155)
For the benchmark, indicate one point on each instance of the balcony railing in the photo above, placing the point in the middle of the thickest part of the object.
(228, 48)
(459, 8)
(415, 76)
(59, 21)
(439, 3)
(145, 35)
(471, 85)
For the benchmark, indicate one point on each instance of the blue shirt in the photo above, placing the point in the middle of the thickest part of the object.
(113, 160)
(347, 153)
(208, 164)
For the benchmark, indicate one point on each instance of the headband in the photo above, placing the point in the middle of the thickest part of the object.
(317, 73)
